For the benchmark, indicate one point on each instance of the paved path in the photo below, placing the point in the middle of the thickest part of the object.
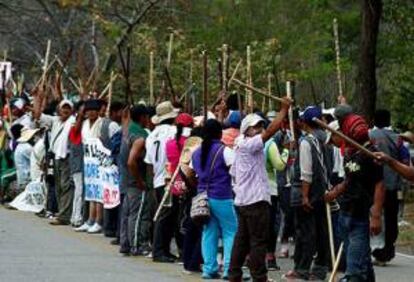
(32, 250)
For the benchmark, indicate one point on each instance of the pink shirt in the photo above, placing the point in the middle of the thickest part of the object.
(173, 153)
(249, 171)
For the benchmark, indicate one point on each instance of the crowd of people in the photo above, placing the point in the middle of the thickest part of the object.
(263, 179)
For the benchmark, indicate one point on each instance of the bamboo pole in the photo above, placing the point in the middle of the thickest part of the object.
(170, 47)
(336, 265)
(346, 138)
(249, 93)
(330, 232)
(106, 89)
(225, 54)
(111, 81)
(205, 86)
(151, 78)
(289, 87)
(338, 58)
(46, 62)
(269, 81)
(259, 91)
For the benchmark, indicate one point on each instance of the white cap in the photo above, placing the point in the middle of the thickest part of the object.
(65, 103)
(249, 121)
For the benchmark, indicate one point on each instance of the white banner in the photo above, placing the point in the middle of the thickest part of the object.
(32, 199)
(111, 194)
(96, 160)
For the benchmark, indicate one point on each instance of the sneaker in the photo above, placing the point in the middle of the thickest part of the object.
(210, 276)
(115, 242)
(83, 228)
(284, 253)
(380, 263)
(95, 229)
(57, 221)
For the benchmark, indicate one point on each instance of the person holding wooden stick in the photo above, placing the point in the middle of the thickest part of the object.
(309, 184)
(362, 197)
(252, 195)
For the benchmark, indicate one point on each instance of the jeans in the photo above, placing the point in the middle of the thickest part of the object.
(251, 239)
(288, 214)
(223, 221)
(77, 199)
(355, 234)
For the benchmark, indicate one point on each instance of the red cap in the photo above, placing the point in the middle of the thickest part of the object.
(184, 120)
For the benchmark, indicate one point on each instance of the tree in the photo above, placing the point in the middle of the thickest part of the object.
(367, 64)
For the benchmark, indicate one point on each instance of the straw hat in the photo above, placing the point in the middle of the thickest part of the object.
(164, 111)
(408, 136)
(27, 134)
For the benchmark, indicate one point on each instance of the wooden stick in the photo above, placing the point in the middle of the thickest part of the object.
(151, 79)
(111, 81)
(106, 89)
(72, 81)
(330, 232)
(259, 91)
(46, 62)
(4, 55)
(166, 193)
(229, 83)
(290, 113)
(205, 86)
(346, 138)
(191, 65)
(249, 82)
(336, 265)
(225, 54)
(269, 81)
(170, 85)
(338, 58)
(170, 46)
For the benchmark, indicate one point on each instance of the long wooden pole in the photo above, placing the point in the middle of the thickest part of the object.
(289, 86)
(106, 89)
(336, 265)
(151, 79)
(111, 81)
(205, 86)
(346, 138)
(170, 47)
(259, 91)
(330, 232)
(46, 62)
(249, 92)
(225, 54)
(338, 57)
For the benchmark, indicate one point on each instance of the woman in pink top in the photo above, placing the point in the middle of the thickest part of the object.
(174, 147)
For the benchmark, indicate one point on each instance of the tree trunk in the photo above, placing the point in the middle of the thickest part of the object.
(366, 79)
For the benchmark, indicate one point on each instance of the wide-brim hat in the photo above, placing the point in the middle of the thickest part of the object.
(164, 111)
(27, 134)
(408, 136)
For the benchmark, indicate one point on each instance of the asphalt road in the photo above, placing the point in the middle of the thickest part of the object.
(32, 250)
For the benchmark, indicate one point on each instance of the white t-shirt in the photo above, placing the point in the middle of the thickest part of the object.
(155, 151)
(93, 131)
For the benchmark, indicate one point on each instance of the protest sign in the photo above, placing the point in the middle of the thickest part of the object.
(111, 194)
(97, 168)
(32, 199)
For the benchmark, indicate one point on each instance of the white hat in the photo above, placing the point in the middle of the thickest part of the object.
(65, 103)
(249, 121)
(164, 111)
(333, 125)
(18, 103)
(27, 134)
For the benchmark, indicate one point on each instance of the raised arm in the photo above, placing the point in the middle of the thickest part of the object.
(275, 124)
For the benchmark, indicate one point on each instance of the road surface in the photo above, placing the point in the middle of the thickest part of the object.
(32, 250)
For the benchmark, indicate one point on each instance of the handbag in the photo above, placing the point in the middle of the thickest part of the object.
(200, 209)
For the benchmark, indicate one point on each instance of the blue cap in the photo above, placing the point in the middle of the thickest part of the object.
(235, 119)
(310, 113)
